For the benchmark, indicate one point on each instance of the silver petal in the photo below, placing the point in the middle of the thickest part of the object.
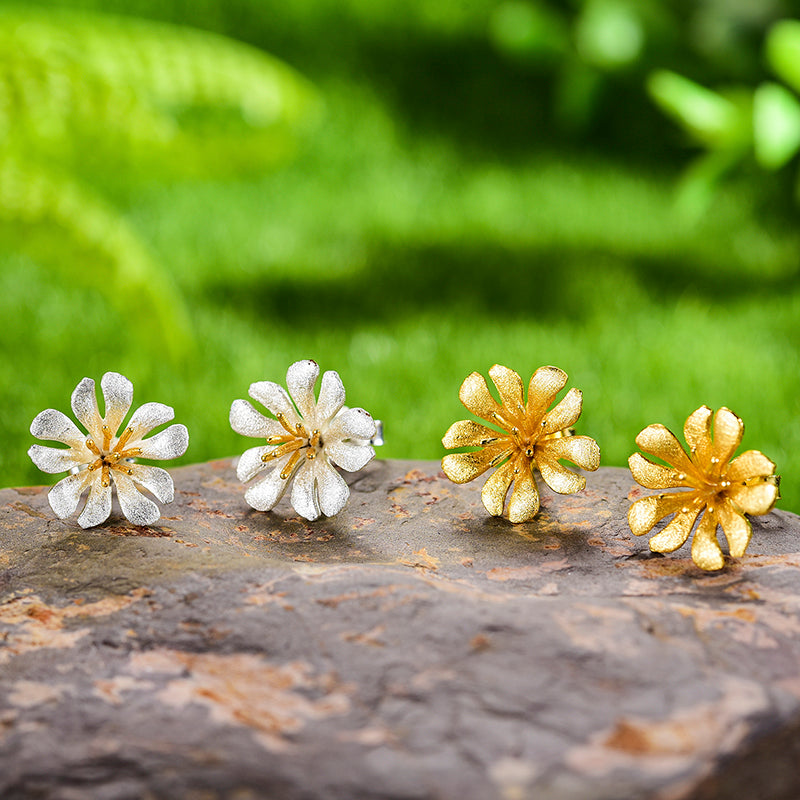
(263, 495)
(66, 494)
(331, 396)
(274, 399)
(351, 457)
(301, 378)
(149, 416)
(248, 421)
(353, 423)
(84, 405)
(169, 443)
(304, 494)
(117, 397)
(98, 504)
(138, 509)
(250, 463)
(156, 480)
(333, 491)
(54, 459)
(54, 426)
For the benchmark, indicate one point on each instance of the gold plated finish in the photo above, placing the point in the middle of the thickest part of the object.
(723, 490)
(529, 436)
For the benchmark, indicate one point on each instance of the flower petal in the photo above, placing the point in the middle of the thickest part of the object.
(580, 450)
(331, 397)
(566, 413)
(66, 494)
(169, 443)
(117, 398)
(728, 431)
(351, 457)
(750, 464)
(156, 480)
(677, 532)
(98, 504)
(251, 462)
(737, 528)
(524, 503)
(54, 426)
(353, 423)
(55, 459)
(706, 552)
(84, 406)
(274, 399)
(248, 421)
(559, 478)
(645, 512)
(138, 509)
(466, 433)
(333, 491)
(509, 387)
(697, 432)
(304, 491)
(495, 489)
(475, 395)
(464, 467)
(545, 384)
(147, 417)
(653, 476)
(756, 496)
(264, 494)
(661, 443)
(301, 378)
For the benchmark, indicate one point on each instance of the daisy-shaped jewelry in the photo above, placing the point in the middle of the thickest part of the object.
(102, 458)
(724, 490)
(530, 436)
(303, 442)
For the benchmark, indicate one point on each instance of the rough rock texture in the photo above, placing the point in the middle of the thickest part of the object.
(411, 647)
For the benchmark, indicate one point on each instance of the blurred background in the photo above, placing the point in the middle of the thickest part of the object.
(197, 193)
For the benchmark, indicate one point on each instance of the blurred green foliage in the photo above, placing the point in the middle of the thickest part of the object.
(461, 203)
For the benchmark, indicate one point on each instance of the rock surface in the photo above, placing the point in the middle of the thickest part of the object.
(411, 647)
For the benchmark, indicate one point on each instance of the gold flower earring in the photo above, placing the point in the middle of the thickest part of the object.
(530, 436)
(724, 490)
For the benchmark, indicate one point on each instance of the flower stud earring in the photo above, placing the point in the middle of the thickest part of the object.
(724, 490)
(102, 457)
(305, 442)
(530, 436)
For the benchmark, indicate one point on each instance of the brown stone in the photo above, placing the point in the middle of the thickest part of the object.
(411, 647)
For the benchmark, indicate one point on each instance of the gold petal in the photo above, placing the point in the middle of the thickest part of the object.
(475, 395)
(466, 433)
(509, 386)
(645, 512)
(750, 464)
(559, 478)
(706, 552)
(728, 431)
(566, 413)
(676, 533)
(653, 476)
(697, 432)
(524, 503)
(736, 527)
(495, 489)
(545, 384)
(580, 450)
(756, 496)
(661, 443)
(464, 467)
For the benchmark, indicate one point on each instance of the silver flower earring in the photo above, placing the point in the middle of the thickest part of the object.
(304, 444)
(103, 457)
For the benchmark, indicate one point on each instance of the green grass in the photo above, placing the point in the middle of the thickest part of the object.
(406, 248)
